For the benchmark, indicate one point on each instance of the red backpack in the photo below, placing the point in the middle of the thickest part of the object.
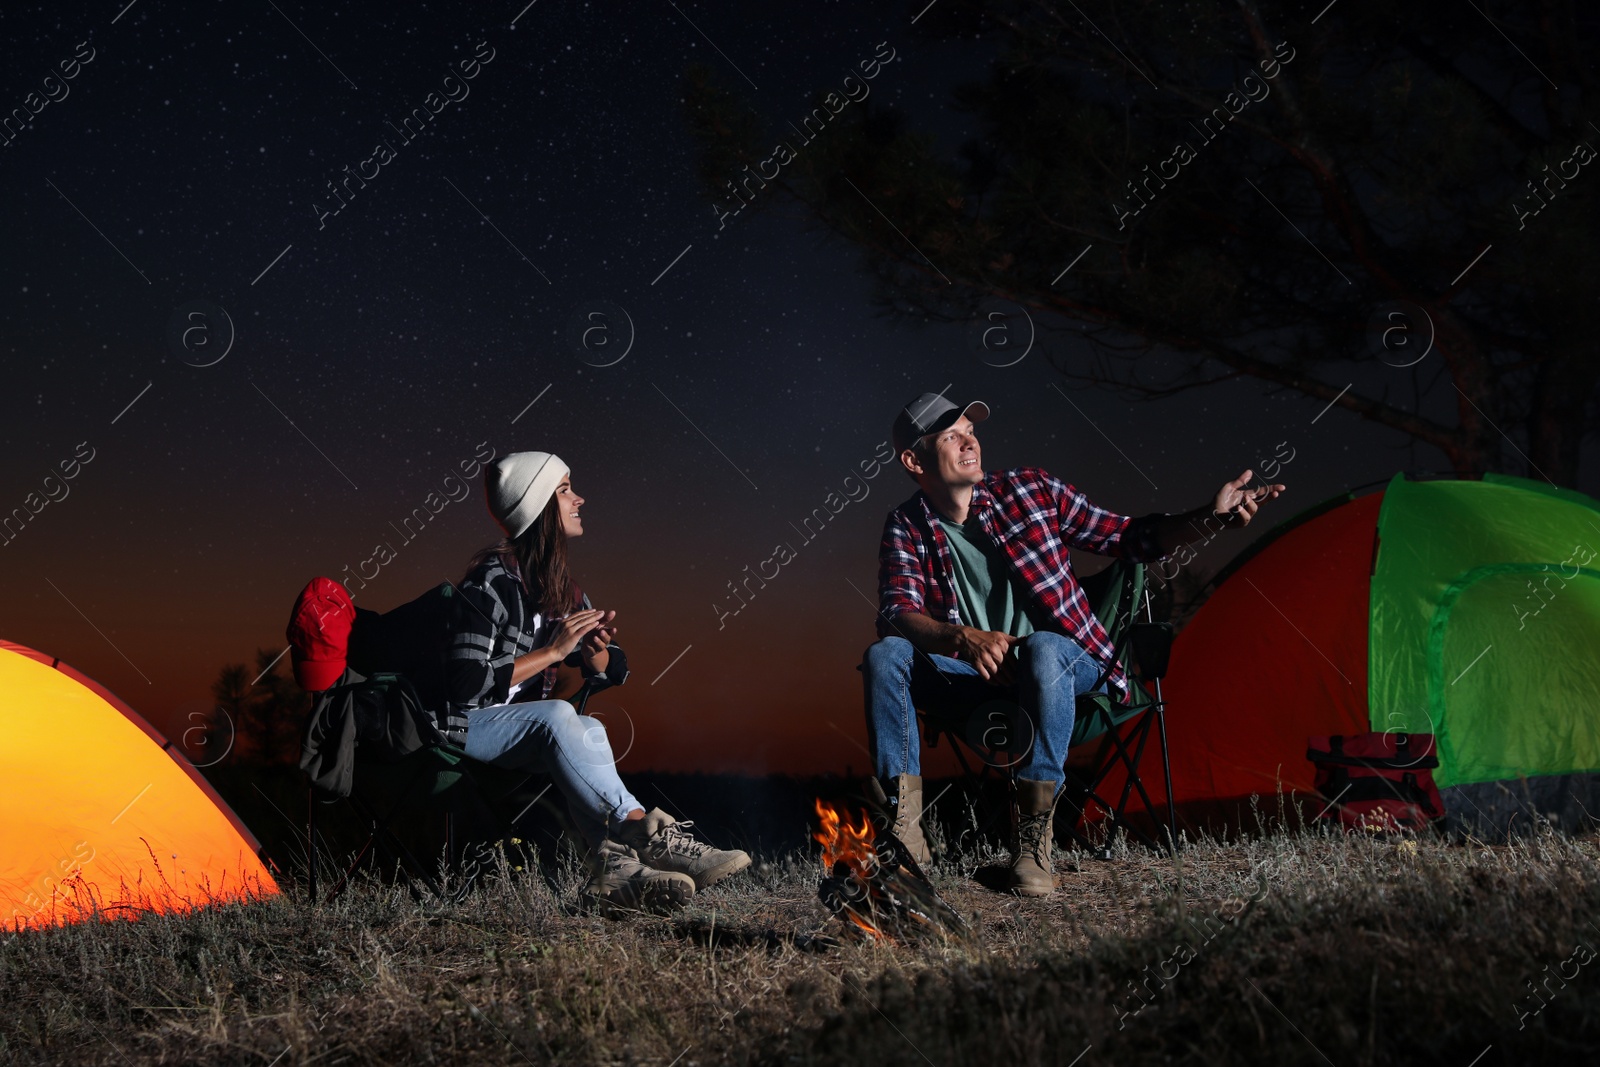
(1377, 782)
(328, 633)
(319, 633)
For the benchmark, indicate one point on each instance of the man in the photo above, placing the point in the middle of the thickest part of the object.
(977, 602)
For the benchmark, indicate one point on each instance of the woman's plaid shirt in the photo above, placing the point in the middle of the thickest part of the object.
(493, 622)
(1033, 517)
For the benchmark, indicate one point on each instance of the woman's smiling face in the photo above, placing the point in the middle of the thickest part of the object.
(568, 503)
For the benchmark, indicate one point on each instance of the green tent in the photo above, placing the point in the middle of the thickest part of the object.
(1485, 626)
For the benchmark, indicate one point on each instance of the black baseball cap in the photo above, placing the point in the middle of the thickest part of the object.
(930, 413)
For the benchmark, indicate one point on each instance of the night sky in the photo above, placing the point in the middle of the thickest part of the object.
(376, 348)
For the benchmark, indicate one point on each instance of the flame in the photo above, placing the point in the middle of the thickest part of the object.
(848, 852)
(879, 894)
(864, 925)
(843, 843)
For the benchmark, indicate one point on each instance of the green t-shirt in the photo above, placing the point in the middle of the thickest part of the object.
(985, 596)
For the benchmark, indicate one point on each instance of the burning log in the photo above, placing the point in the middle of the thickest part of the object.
(870, 881)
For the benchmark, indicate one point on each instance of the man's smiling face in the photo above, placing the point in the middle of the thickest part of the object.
(957, 460)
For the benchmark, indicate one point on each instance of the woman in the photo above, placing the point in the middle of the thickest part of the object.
(523, 639)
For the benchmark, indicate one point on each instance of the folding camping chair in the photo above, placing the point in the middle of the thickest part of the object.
(1106, 734)
(438, 777)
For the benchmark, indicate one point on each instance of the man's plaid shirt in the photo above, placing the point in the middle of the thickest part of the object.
(1033, 517)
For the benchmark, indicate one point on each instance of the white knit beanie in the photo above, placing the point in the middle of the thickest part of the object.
(518, 487)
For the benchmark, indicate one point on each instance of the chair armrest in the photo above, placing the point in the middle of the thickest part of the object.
(1152, 647)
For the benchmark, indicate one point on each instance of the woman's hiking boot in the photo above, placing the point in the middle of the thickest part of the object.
(902, 816)
(1031, 874)
(666, 844)
(618, 882)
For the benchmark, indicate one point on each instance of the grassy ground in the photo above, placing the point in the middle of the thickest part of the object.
(1281, 948)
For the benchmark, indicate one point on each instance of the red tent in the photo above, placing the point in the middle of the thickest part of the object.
(1277, 654)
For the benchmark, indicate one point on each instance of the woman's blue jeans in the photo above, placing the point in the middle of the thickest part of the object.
(550, 736)
(1052, 670)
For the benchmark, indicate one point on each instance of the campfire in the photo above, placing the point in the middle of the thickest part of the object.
(871, 883)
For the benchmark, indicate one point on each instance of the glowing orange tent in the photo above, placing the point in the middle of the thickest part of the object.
(100, 815)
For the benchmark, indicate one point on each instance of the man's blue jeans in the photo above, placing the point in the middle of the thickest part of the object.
(1052, 670)
(550, 736)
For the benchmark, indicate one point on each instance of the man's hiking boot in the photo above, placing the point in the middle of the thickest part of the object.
(618, 882)
(903, 813)
(667, 845)
(1031, 874)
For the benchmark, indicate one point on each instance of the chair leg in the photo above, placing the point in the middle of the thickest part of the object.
(1129, 753)
(1115, 753)
(474, 819)
(392, 841)
(311, 841)
(981, 775)
(1104, 757)
(366, 846)
(1134, 782)
(961, 757)
(1070, 825)
(382, 834)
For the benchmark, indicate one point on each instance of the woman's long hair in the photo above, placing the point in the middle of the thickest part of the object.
(539, 559)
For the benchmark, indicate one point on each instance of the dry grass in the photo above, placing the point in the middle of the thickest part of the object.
(1354, 952)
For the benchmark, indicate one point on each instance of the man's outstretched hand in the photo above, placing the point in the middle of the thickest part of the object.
(1238, 503)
